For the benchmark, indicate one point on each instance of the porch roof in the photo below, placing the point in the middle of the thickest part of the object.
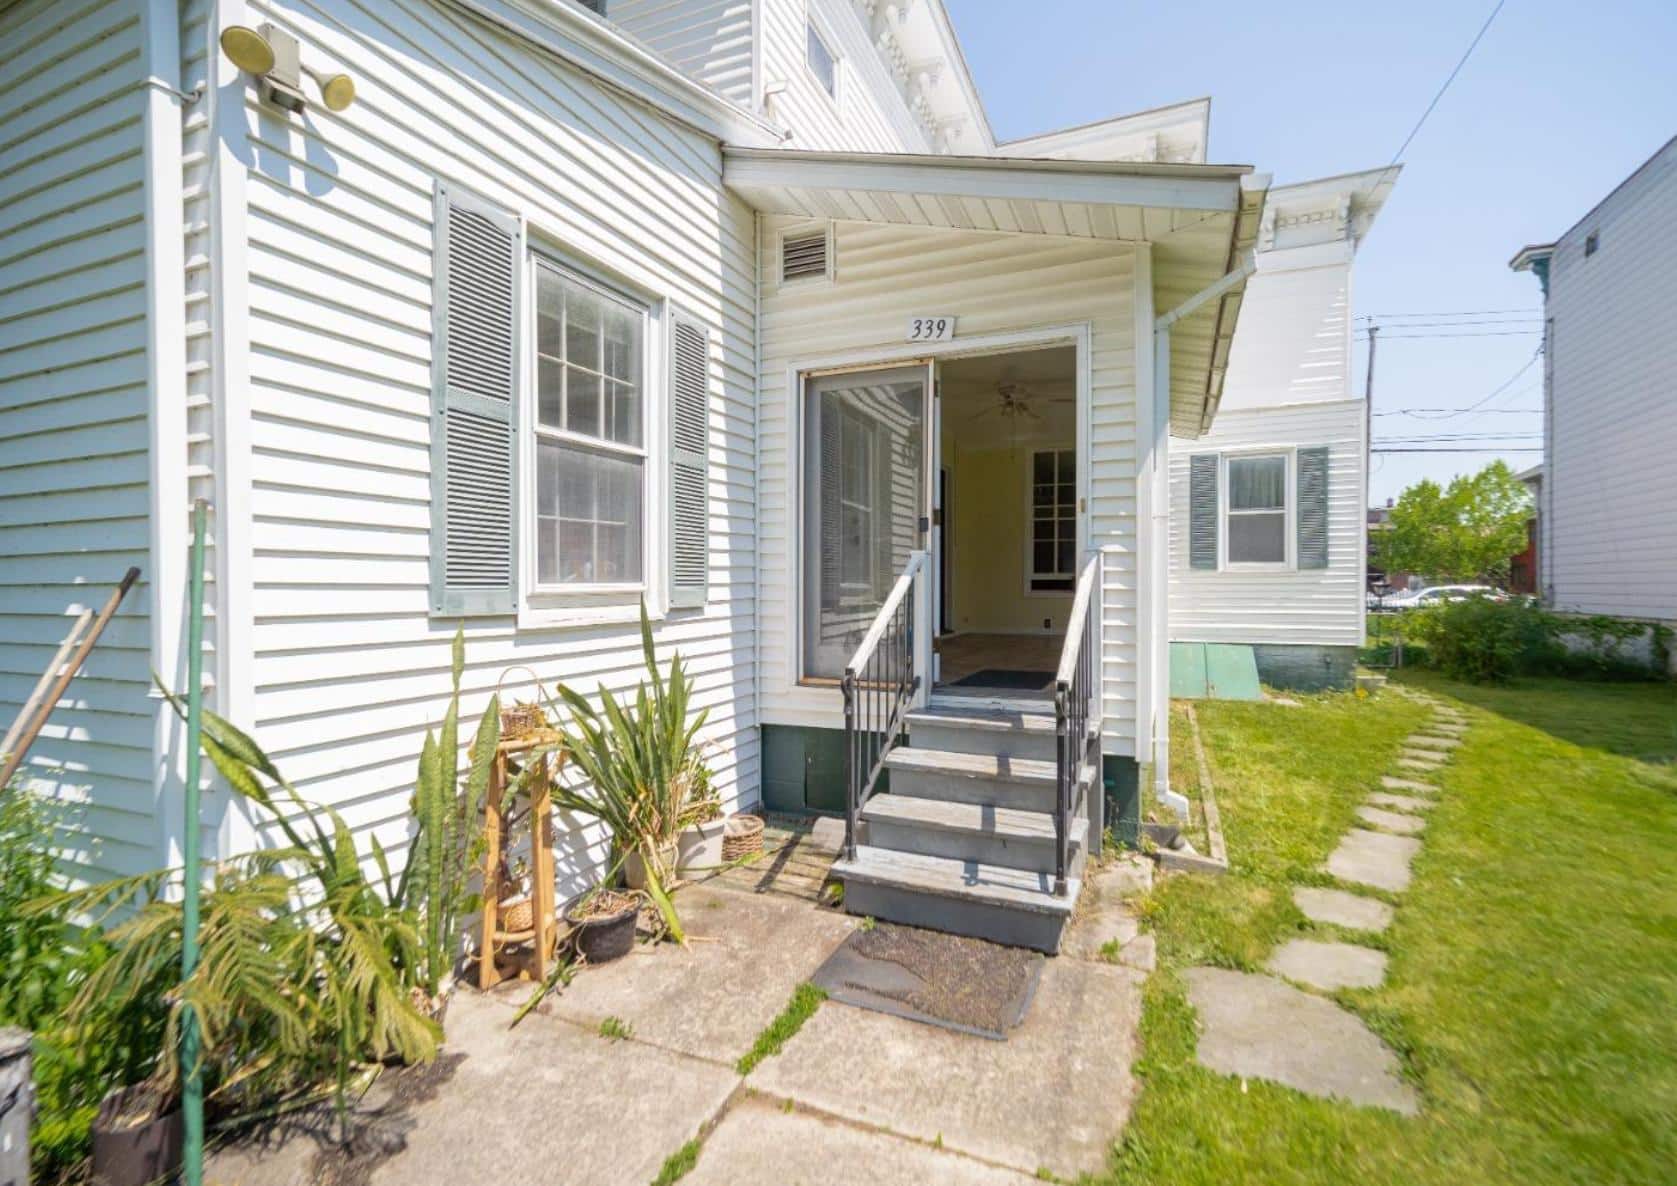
(1200, 220)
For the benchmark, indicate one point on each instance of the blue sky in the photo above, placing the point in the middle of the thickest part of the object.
(1560, 102)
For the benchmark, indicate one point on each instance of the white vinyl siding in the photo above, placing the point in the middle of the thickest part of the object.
(1275, 603)
(869, 116)
(711, 40)
(1609, 531)
(994, 284)
(74, 434)
(349, 666)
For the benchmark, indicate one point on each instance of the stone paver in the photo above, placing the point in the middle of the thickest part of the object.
(1427, 741)
(551, 1098)
(1410, 803)
(1106, 914)
(1408, 784)
(746, 954)
(1412, 765)
(1448, 728)
(1391, 821)
(1374, 858)
(759, 1144)
(1257, 1027)
(1329, 966)
(1343, 909)
(1426, 757)
(1055, 1094)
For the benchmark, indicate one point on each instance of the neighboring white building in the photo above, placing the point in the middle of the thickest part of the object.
(1607, 499)
(1268, 528)
(567, 312)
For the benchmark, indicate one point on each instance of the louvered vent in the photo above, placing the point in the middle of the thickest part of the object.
(804, 255)
(689, 462)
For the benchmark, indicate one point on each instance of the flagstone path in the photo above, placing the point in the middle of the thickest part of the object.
(1275, 1027)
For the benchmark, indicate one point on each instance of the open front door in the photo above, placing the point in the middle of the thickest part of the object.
(868, 492)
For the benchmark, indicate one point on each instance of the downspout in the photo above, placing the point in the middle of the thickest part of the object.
(1158, 562)
(165, 264)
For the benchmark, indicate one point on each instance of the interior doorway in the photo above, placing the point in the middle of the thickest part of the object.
(1011, 519)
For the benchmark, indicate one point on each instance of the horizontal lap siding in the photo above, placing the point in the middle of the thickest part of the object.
(1611, 486)
(867, 116)
(74, 436)
(350, 669)
(992, 284)
(707, 39)
(1321, 607)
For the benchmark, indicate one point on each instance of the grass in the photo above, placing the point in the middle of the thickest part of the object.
(1533, 961)
(806, 999)
(677, 1164)
(616, 1029)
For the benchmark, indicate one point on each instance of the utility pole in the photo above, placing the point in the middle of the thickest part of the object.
(1368, 443)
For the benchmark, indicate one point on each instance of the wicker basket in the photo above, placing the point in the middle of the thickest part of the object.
(518, 914)
(742, 836)
(521, 719)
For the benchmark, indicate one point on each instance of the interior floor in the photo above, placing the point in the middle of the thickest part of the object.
(963, 656)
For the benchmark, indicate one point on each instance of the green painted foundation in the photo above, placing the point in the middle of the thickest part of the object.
(1122, 777)
(803, 769)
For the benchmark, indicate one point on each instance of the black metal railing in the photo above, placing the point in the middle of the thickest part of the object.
(1075, 688)
(880, 684)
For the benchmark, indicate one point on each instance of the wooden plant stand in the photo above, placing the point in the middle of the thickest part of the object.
(495, 963)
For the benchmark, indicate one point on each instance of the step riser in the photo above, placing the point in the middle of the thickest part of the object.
(987, 792)
(980, 920)
(1037, 856)
(996, 742)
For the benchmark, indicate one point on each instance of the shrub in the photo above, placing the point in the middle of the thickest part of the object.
(1484, 640)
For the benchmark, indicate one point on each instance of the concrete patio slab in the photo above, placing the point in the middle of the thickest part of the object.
(1391, 821)
(1410, 803)
(1409, 785)
(746, 954)
(1054, 1095)
(1375, 859)
(521, 1101)
(1329, 966)
(758, 1143)
(1343, 909)
(1260, 1028)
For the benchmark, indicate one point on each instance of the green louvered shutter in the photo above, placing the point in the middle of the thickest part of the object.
(1313, 508)
(1202, 510)
(473, 406)
(689, 462)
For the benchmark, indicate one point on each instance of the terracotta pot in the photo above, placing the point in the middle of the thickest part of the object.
(699, 848)
(634, 869)
(134, 1154)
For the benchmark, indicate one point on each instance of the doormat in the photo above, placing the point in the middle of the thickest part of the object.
(1006, 677)
(961, 984)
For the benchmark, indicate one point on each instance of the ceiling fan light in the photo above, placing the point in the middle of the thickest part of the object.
(247, 49)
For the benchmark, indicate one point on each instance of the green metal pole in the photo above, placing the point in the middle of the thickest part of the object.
(192, 1103)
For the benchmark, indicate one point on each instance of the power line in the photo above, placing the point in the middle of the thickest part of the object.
(1432, 413)
(1472, 45)
(1535, 309)
(1407, 325)
(1465, 449)
(1475, 333)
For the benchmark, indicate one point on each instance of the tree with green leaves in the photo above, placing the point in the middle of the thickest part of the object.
(1466, 531)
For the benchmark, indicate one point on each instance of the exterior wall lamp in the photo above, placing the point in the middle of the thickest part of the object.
(272, 55)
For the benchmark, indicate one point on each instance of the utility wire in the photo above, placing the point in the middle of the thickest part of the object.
(1472, 45)
(1534, 309)
(1475, 333)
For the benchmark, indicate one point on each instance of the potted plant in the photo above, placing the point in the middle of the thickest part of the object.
(603, 923)
(699, 847)
(137, 1135)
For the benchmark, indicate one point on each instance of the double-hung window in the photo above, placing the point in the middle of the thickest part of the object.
(1257, 509)
(1053, 520)
(590, 434)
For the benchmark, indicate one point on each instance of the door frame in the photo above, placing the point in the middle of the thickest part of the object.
(824, 694)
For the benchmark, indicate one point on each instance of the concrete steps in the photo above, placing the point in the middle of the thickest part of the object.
(964, 840)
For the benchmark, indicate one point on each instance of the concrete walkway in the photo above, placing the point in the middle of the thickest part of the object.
(1273, 1027)
(855, 1097)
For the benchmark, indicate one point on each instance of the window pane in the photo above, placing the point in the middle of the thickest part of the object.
(1257, 483)
(1042, 558)
(582, 327)
(622, 344)
(549, 313)
(1063, 557)
(822, 63)
(1042, 466)
(1258, 538)
(582, 401)
(550, 392)
(623, 414)
(589, 513)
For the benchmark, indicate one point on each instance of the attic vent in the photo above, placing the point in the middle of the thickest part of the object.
(803, 255)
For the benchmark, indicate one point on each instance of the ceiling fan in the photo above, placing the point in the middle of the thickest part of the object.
(1014, 400)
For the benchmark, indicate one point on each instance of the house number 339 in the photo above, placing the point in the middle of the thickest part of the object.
(931, 329)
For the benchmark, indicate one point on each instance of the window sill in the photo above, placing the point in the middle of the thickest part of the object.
(546, 611)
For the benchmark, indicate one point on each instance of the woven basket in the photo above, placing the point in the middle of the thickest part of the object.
(519, 720)
(742, 836)
(518, 914)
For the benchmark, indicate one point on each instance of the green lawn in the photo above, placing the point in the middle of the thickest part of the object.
(1532, 993)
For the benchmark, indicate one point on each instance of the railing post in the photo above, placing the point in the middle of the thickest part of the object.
(924, 651)
(852, 772)
(1062, 758)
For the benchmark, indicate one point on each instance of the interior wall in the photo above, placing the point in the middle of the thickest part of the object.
(989, 493)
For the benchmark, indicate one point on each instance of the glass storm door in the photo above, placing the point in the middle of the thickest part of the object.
(865, 470)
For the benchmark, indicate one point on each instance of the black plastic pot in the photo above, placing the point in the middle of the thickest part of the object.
(134, 1154)
(599, 940)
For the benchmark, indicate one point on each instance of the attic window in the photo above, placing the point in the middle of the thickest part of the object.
(823, 63)
(1591, 242)
(803, 255)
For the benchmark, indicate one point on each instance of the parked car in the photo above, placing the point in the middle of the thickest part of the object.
(1439, 594)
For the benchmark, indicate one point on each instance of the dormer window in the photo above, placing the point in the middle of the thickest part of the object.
(823, 63)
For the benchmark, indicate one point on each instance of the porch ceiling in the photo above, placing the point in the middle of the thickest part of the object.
(1200, 219)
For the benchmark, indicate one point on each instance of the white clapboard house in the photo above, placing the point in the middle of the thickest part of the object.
(1268, 539)
(733, 306)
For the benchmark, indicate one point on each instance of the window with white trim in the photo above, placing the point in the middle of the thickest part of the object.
(1257, 509)
(1053, 520)
(589, 426)
(822, 61)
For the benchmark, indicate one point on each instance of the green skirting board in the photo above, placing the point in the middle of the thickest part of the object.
(1213, 671)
